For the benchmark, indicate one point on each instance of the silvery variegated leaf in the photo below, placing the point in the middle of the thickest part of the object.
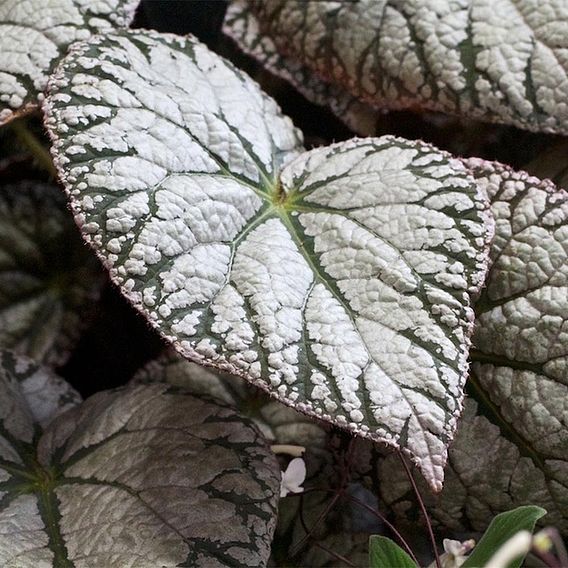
(278, 423)
(242, 26)
(34, 34)
(45, 393)
(138, 477)
(500, 60)
(338, 279)
(48, 279)
(515, 452)
(488, 472)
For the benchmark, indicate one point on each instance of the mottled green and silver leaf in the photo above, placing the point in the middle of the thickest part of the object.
(278, 423)
(497, 60)
(35, 34)
(136, 477)
(48, 279)
(516, 451)
(337, 279)
(488, 472)
(242, 26)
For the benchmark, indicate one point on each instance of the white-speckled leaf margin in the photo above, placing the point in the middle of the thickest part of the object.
(34, 34)
(278, 423)
(511, 448)
(337, 279)
(497, 60)
(138, 477)
(242, 26)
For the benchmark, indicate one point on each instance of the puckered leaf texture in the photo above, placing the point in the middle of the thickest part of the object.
(338, 279)
(142, 476)
(35, 34)
(497, 60)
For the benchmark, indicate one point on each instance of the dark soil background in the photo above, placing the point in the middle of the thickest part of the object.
(118, 340)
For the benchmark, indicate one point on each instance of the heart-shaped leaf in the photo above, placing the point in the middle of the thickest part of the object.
(501, 62)
(140, 476)
(33, 36)
(516, 451)
(339, 279)
(48, 279)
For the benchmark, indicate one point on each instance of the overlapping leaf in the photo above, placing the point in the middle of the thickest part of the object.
(243, 27)
(33, 36)
(283, 427)
(141, 476)
(502, 61)
(338, 279)
(278, 423)
(48, 278)
(516, 451)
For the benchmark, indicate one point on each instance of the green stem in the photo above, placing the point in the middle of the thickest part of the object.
(37, 149)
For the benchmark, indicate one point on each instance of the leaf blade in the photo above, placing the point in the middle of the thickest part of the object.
(384, 553)
(503, 527)
(357, 51)
(236, 244)
(43, 33)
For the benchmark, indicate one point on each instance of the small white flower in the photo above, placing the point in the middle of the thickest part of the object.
(454, 553)
(293, 477)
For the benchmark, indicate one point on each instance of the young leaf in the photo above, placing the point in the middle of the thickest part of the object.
(502, 528)
(35, 34)
(48, 279)
(142, 474)
(339, 281)
(385, 553)
(502, 62)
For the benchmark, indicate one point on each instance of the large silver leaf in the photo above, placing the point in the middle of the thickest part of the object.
(34, 34)
(48, 279)
(500, 60)
(338, 279)
(516, 451)
(138, 477)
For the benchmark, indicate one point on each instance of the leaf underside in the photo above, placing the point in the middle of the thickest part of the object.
(142, 476)
(33, 36)
(498, 61)
(337, 279)
(48, 279)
